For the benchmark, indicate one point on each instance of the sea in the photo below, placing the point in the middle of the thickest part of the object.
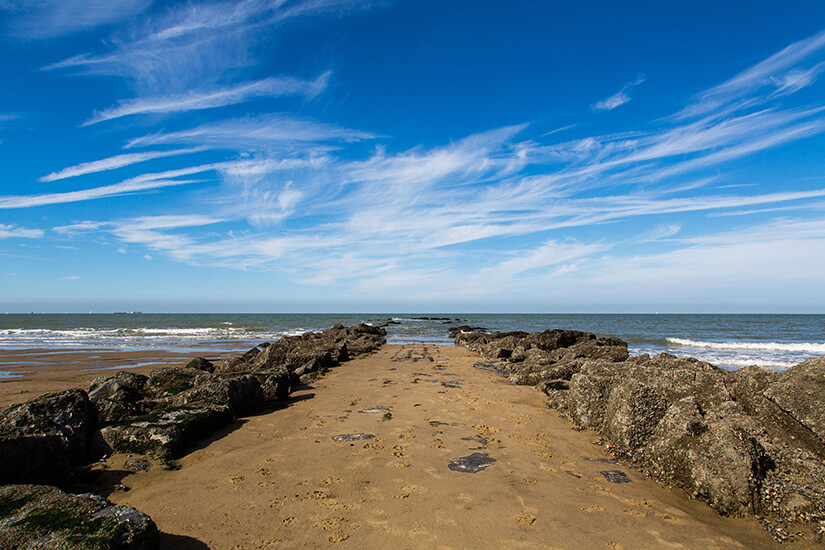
(728, 341)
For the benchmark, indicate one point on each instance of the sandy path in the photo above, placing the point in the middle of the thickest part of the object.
(279, 480)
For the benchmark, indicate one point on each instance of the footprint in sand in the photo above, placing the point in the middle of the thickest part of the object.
(398, 451)
(525, 519)
(592, 508)
(341, 536)
(530, 480)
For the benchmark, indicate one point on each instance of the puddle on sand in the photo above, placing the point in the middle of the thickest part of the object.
(471, 464)
(351, 437)
(615, 476)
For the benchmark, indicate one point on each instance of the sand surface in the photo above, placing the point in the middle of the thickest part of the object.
(281, 480)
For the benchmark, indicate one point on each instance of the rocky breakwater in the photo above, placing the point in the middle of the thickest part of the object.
(748, 442)
(47, 439)
(168, 411)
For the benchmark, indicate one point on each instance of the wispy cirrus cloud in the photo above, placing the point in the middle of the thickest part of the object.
(258, 132)
(188, 45)
(8, 231)
(778, 74)
(211, 99)
(51, 18)
(144, 182)
(619, 98)
(113, 163)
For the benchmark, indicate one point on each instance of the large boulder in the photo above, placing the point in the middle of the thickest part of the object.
(166, 433)
(800, 391)
(118, 397)
(242, 394)
(716, 457)
(42, 439)
(38, 516)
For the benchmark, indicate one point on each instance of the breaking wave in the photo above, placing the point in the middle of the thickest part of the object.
(800, 347)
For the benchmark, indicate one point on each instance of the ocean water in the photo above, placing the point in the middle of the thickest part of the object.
(728, 341)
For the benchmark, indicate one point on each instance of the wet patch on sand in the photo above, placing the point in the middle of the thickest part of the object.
(471, 464)
(615, 476)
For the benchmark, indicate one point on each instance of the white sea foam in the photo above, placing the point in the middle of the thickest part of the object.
(799, 347)
(83, 335)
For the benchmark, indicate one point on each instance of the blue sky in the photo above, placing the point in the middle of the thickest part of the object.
(339, 155)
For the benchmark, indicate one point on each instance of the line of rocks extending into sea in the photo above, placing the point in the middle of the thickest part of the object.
(48, 440)
(747, 442)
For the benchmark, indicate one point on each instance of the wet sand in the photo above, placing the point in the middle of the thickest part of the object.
(281, 480)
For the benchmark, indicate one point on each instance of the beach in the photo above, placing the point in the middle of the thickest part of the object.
(280, 479)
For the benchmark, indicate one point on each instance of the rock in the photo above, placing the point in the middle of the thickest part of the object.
(717, 458)
(632, 412)
(535, 358)
(749, 389)
(118, 397)
(137, 465)
(455, 331)
(166, 433)
(276, 384)
(200, 363)
(42, 439)
(168, 382)
(38, 516)
(242, 394)
(800, 392)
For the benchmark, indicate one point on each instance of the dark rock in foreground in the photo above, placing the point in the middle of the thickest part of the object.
(42, 439)
(165, 433)
(749, 442)
(38, 516)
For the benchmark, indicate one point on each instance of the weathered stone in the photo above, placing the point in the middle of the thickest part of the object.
(631, 414)
(118, 397)
(201, 364)
(38, 516)
(800, 391)
(717, 458)
(242, 394)
(166, 433)
(168, 382)
(276, 384)
(41, 439)
(534, 358)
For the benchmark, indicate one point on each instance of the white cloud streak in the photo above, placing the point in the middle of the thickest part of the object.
(14, 232)
(261, 132)
(619, 98)
(50, 18)
(211, 99)
(113, 163)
